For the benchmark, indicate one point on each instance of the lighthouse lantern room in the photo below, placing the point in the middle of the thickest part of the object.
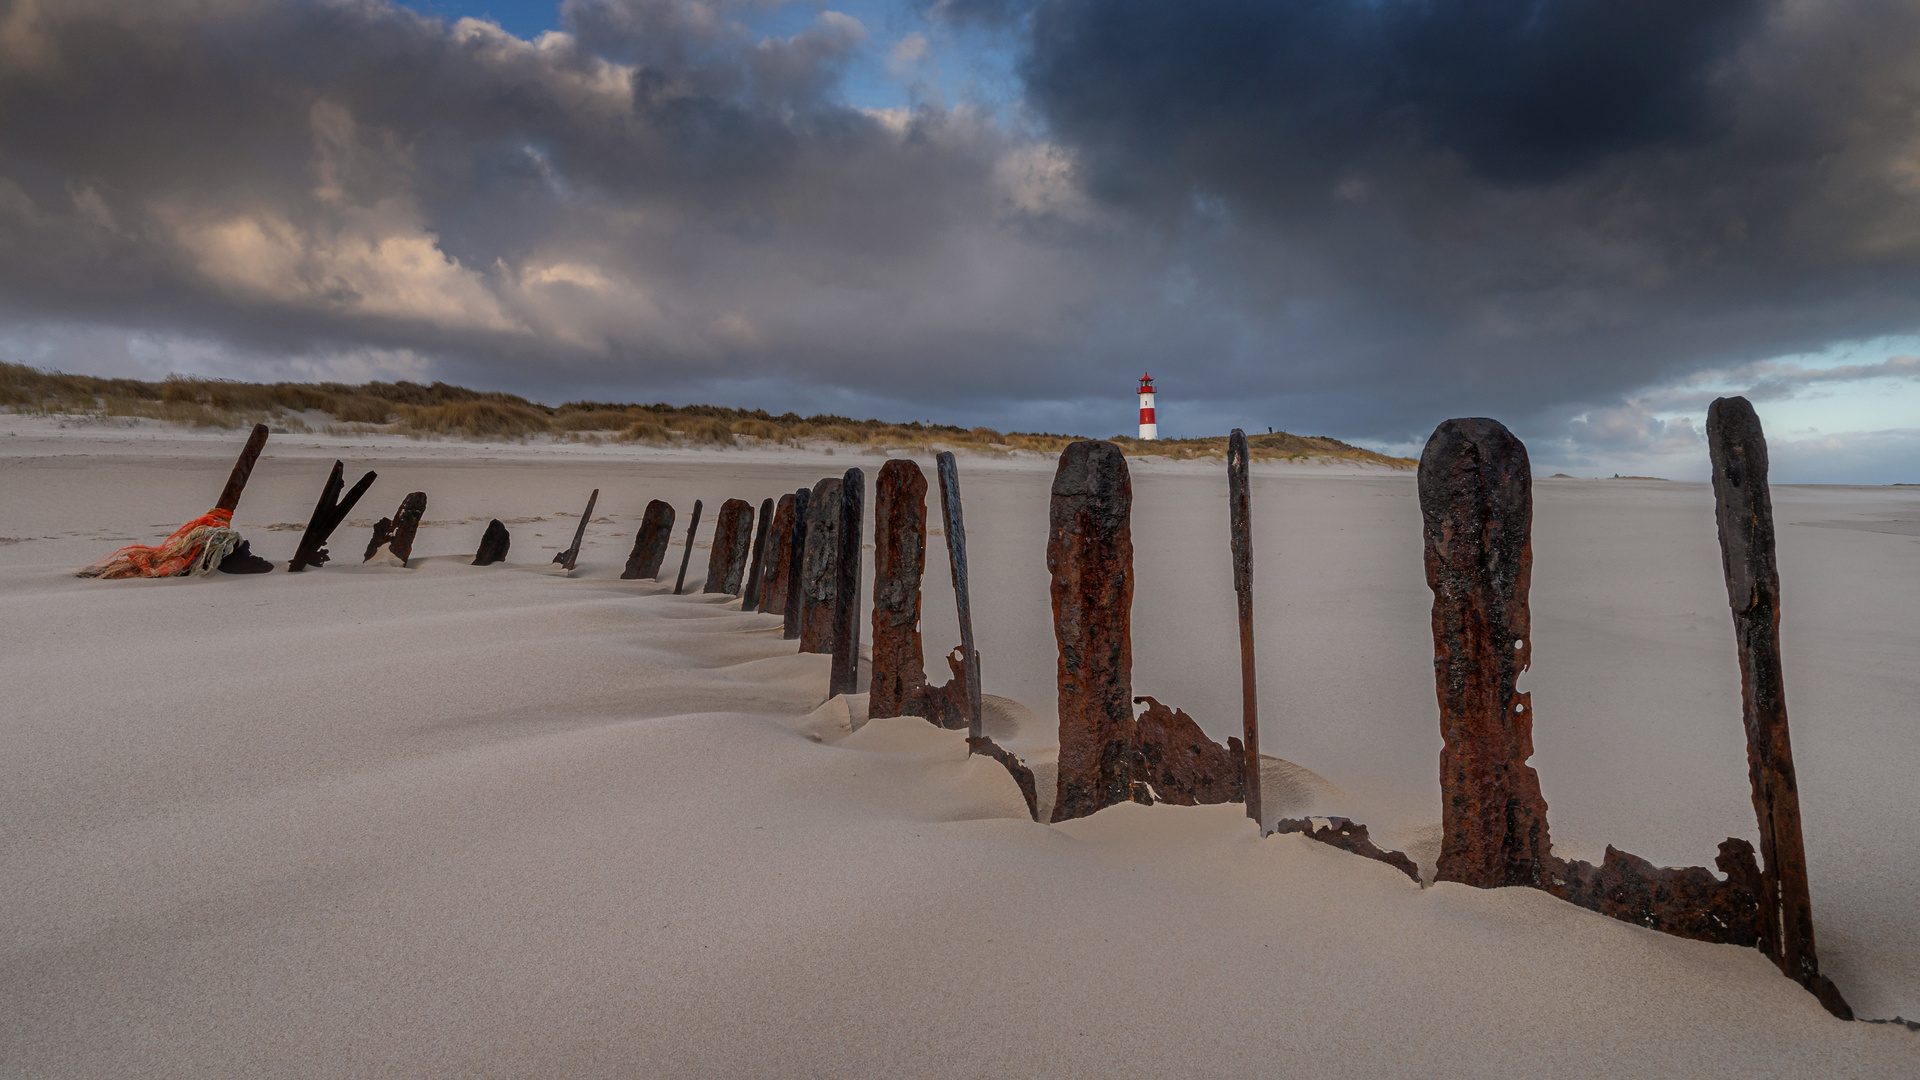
(1148, 428)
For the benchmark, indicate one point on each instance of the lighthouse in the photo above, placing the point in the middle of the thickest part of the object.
(1148, 429)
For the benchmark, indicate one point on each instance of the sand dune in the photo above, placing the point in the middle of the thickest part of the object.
(457, 821)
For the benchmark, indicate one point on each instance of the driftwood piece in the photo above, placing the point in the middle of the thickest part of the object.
(1743, 508)
(817, 580)
(396, 533)
(727, 561)
(1476, 500)
(1240, 540)
(796, 599)
(1023, 776)
(1183, 766)
(845, 676)
(953, 523)
(687, 554)
(569, 557)
(773, 585)
(899, 560)
(756, 576)
(328, 513)
(650, 543)
(242, 469)
(1349, 836)
(494, 544)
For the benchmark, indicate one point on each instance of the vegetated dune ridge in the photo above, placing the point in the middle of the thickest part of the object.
(454, 411)
(469, 822)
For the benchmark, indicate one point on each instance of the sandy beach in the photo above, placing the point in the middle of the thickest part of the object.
(457, 821)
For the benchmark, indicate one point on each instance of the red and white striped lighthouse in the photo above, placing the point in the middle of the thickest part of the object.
(1148, 429)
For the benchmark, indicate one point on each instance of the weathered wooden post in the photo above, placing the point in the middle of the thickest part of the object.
(845, 677)
(687, 554)
(817, 579)
(242, 470)
(954, 525)
(1743, 508)
(1476, 500)
(732, 531)
(773, 587)
(569, 557)
(494, 544)
(756, 577)
(1240, 527)
(899, 560)
(650, 543)
(396, 533)
(1090, 558)
(795, 610)
(328, 513)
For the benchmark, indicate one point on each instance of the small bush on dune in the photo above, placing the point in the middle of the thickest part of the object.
(707, 430)
(759, 429)
(646, 431)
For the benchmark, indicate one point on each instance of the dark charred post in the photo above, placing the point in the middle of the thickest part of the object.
(242, 469)
(732, 532)
(953, 524)
(773, 585)
(796, 600)
(651, 543)
(817, 580)
(493, 544)
(846, 586)
(328, 513)
(899, 560)
(756, 577)
(1743, 507)
(1090, 558)
(397, 532)
(1476, 499)
(687, 554)
(569, 557)
(1240, 525)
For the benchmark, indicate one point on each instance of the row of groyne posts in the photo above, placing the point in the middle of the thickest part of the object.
(1476, 502)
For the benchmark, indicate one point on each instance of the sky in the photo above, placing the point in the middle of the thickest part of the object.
(1357, 218)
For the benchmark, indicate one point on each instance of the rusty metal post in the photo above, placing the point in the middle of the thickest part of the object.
(650, 543)
(1743, 508)
(773, 587)
(1090, 558)
(687, 554)
(328, 513)
(728, 560)
(1240, 526)
(494, 544)
(756, 576)
(899, 560)
(954, 525)
(397, 532)
(1476, 500)
(817, 580)
(795, 608)
(845, 678)
(569, 557)
(242, 470)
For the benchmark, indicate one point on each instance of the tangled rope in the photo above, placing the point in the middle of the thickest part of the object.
(194, 548)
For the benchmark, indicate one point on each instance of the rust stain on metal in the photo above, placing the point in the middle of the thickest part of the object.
(1476, 500)
(650, 543)
(494, 544)
(1688, 902)
(397, 532)
(571, 556)
(1023, 776)
(686, 554)
(328, 513)
(1184, 767)
(1743, 508)
(945, 705)
(1349, 836)
(817, 580)
(1090, 560)
(899, 561)
(242, 469)
(796, 597)
(955, 526)
(845, 674)
(1240, 529)
(773, 587)
(732, 533)
(757, 576)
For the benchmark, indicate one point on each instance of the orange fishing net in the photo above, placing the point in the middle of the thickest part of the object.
(196, 547)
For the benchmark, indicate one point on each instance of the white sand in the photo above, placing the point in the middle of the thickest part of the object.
(462, 822)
